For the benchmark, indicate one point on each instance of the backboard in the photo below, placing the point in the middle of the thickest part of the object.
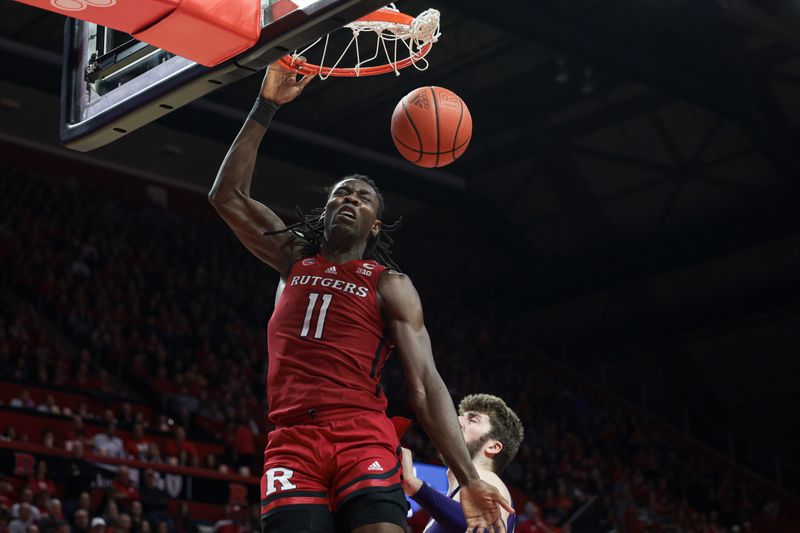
(112, 84)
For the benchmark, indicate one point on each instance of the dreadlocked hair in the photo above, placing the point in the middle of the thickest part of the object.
(310, 228)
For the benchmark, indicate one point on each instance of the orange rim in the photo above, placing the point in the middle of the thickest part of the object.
(380, 15)
(310, 69)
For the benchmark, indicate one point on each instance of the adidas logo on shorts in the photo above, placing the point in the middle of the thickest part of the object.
(375, 466)
(330, 270)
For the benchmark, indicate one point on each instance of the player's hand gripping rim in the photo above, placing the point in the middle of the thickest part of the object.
(281, 85)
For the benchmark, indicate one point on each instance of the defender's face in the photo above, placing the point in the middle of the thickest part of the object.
(352, 207)
(474, 426)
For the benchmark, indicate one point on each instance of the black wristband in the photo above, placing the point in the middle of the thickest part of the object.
(263, 111)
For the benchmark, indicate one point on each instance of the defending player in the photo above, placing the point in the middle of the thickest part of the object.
(492, 433)
(333, 461)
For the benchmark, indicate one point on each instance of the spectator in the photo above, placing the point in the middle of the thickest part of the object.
(9, 434)
(76, 475)
(139, 418)
(50, 406)
(80, 521)
(126, 417)
(41, 501)
(137, 516)
(210, 462)
(123, 524)
(26, 498)
(23, 401)
(108, 444)
(48, 438)
(232, 522)
(244, 445)
(154, 454)
(53, 518)
(85, 503)
(184, 451)
(111, 514)
(154, 500)
(138, 446)
(60, 526)
(6, 493)
(23, 520)
(98, 525)
(123, 489)
(55, 509)
(76, 434)
(184, 522)
(109, 417)
(41, 481)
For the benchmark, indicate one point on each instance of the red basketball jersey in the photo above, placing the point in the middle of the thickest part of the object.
(326, 342)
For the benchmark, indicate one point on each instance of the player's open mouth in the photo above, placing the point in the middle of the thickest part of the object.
(346, 212)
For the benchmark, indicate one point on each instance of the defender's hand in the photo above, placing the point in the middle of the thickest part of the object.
(281, 85)
(411, 484)
(481, 504)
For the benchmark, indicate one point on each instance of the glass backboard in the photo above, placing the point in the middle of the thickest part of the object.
(113, 84)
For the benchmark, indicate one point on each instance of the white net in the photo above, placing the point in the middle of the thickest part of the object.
(398, 43)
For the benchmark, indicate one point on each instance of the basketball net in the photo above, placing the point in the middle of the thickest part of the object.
(402, 41)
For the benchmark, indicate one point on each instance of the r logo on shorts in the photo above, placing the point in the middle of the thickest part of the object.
(279, 475)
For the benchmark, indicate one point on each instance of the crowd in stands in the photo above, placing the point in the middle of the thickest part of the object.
(135, 305)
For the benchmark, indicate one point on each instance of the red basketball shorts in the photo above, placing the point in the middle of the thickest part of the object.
(328, 463)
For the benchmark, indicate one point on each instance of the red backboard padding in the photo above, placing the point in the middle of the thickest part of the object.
(207, 31)
(129, 16)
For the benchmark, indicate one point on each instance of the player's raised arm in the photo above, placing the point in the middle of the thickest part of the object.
(402, 312)
(230, 194)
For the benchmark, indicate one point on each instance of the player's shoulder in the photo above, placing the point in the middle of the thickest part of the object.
(393, 276)
(493, 479)
(392, 281)
(397, 294)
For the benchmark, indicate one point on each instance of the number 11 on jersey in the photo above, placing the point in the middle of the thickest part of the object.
(323, 311)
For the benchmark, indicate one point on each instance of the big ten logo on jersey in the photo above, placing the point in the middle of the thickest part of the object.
(80, 5)
(278, 479)
(365, 269)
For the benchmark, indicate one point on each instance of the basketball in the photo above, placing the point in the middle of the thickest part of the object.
(431, 126)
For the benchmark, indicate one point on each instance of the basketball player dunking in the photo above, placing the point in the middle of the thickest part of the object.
(333, 461)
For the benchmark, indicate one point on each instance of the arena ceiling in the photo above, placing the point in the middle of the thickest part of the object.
(629, 194)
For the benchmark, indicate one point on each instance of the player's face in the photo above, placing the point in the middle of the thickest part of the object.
(352, 208)
(475, 428)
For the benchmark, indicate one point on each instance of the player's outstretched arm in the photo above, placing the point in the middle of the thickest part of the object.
(447, 512)
(402, 311)
(230, 194)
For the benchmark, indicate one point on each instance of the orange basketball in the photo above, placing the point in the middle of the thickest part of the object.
(431, 126)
